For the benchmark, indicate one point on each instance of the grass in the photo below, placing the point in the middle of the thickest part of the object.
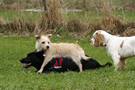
(13, 76)
(11, 15)
(93, 15)
(125, 15)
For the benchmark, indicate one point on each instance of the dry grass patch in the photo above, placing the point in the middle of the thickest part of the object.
(128, 32)
(19, 27)
(50, 19)
(75, 25)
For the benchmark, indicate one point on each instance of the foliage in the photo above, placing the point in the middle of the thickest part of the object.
(106, 17)
(50, 19)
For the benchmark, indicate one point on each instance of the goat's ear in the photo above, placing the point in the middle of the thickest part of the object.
(49, 35)
(37, 37)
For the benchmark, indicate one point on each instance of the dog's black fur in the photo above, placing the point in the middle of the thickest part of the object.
(36, 59)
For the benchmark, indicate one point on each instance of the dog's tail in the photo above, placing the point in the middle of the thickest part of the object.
(86, 57)
(107, 64)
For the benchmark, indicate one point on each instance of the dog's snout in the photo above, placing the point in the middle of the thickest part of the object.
(21, 60)
(47, 47)
(90, 41)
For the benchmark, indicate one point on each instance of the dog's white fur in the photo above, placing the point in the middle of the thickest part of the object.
(59, 50)
(119, 48)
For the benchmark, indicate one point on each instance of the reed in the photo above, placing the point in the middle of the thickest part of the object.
(50, 20)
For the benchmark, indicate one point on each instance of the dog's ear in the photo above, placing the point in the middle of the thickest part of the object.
(99, 39)
(99, 32)
(49, 35)
(37, 37)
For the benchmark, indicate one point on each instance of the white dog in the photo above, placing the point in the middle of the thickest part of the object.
(119, 48)
(59, 50)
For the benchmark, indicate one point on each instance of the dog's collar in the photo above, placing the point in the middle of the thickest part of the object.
(105, 44)
(44, 54)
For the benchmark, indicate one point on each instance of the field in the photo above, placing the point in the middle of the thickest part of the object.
(13, 76)
(17, 30)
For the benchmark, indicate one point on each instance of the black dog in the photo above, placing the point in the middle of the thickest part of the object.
(58, 64)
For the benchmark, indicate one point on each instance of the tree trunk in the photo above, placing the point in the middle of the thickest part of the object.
(44, 4)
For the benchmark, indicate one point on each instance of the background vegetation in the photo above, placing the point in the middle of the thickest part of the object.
(114, 16)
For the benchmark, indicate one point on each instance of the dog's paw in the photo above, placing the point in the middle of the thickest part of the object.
(115, 70)
(39, 71)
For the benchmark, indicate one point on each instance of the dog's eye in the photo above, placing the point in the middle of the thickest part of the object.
(48, 42)
(43, 42)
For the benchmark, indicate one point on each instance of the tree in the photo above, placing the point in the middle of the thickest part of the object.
(44, 4)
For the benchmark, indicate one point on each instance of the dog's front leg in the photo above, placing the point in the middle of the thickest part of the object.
(46, 60)
(116, 60)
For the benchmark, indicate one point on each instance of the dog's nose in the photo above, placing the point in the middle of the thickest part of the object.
(21, 60)
(47, 47)
(90, 41)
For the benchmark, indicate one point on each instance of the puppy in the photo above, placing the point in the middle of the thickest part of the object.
(119, 48)
(58, 64)
(59, 50)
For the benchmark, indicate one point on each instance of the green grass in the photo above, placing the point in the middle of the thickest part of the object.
(11, 15)
(90, 15)
(14, 77)
(125, 15)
